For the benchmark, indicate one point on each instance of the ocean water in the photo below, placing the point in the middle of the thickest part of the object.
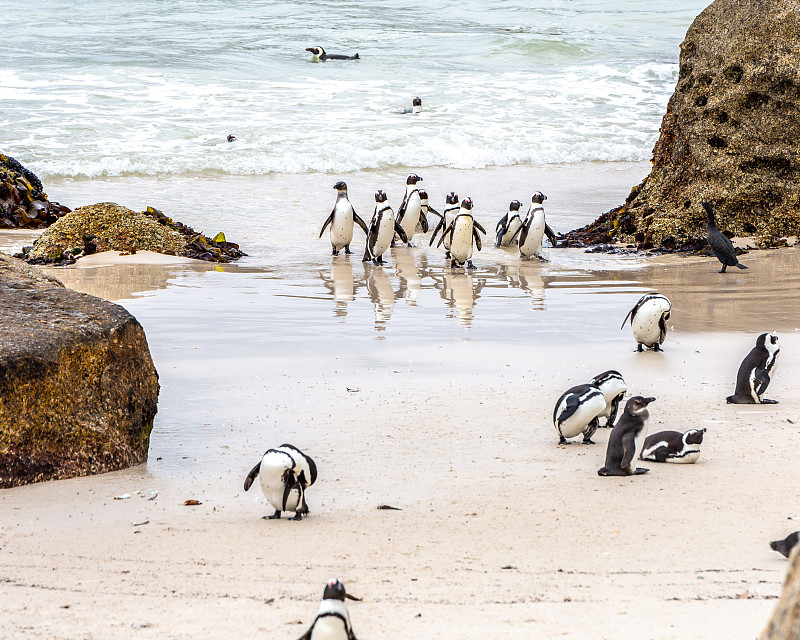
(153, 87)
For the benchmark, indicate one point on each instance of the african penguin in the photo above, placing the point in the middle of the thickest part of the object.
(463, 230)
(533, 229)
(320, 55)
(231, 137)
(381, 230)
(785, 546)
(508, 225)
(673, 446)
(649, 321)
(720, 243)
(416, 106)
(285, 474)
(341, 220)
(425, 208)
(576, 412)
(451, 208)
(756, 371)
(613, 388)
(408, 215)
(626, 439)
(333, 619)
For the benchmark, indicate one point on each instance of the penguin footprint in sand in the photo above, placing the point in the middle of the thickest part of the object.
(333, 619)
(285, 474)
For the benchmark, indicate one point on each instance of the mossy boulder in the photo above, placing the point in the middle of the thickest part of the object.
(78, 389)
(785, 621)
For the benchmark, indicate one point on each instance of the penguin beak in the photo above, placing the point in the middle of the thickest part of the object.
(648, 400)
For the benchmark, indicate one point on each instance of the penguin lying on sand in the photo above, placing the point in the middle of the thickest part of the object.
(577, 411)
(720, 243)
(320, 55)
(785, 546)
(613, 388)
(649, 321)
(341, 220)
(756, 371)
(333, 619)
(285, 474)
(673, 446)
(626, 439)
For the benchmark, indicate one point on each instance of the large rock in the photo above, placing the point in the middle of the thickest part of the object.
(731, 134)
(23, 202)
(785, 621)
(78, 389)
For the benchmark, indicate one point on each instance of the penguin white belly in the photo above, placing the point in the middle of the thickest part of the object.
(329, 628)
(645, 326)
(385, 234)
(411, 216)
(448, 218)
(638, 444)
(461, 242)
(689, 457)
(533, 240)
(273, 467)
(585, 413)
(513, 225)
(342, 226)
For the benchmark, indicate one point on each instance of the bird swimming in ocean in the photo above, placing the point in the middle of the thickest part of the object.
(320, 55)
(231, 137)
(720, 244)
(416, 106)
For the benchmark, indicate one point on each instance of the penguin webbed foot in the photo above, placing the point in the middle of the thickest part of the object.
(470, 265)
(297, 516)
(563, 440)
(639, 348)
(657, 347)
(768, 401)
(347, 249)
(640, 471)
(274, 516)
(588, 441)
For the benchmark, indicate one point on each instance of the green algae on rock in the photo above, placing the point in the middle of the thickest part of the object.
(78, 389)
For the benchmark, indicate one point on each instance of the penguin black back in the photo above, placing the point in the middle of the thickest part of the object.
(785, 546)
(627, 436)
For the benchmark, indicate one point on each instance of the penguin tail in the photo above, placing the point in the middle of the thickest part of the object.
(740, 265)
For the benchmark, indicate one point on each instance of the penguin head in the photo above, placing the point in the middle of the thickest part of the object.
(231, 137)
(380, 195)
(637, 406)
(538, 198)
(413, 178)
(466, 203)
(693, 436)
(423, 196)
(515, 205)
(416, 102)
(316, 51)
(334, 590)
(341, 186)
(452, 198)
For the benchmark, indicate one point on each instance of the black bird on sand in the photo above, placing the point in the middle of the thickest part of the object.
(720, 244)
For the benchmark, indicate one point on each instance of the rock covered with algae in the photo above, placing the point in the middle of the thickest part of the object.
(23, 202)
(78, 389)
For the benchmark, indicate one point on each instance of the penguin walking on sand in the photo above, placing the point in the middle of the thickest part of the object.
(408, 215)
(341, 220)
(613, 388)
(333, 619)
(785, 546)
(285, 474)
(534, 228)
(673, 446)
(463, 230)
(720, 243)
(577, 411)
(381, 230)
(508, 225)
(756, 371)
(649, 321)
(627, 439)
(449, 212)
(320, 55)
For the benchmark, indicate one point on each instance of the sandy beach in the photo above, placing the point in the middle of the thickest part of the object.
(431, 391)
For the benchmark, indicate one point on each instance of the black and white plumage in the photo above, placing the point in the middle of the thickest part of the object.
(627, 439)
(410, 210)
(673, 446)
(285, 473)
(382, 228)
(425, 208)
(613, 388)
(785, 546)
(720, 243)
(577, 411)
(756, 372)
(649, 320)
(416, 106)
(320, 55)
(462, 232)
(333, 618)
(449, 212)
(508, 225)
(341, 221)
(231, 137)
(534, 228)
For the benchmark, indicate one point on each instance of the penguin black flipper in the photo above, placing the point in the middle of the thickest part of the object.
(522, 231)
(478, 226)
(573, 403)
(357, 219)
(327, 222)
(307, 634)
(436, 231)
(629, 450)
(400, 231)
(248, 481)
(444, 233)
(761, 381)
(630, 315)
(477, 239)
(423, 222)
(434, 211)
(551, 236)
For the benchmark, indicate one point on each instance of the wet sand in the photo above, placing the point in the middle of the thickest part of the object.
(429, 390)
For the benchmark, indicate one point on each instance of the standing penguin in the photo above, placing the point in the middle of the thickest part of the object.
(626, 439)
(461, 232)
(285, 474)
(613, 388)
(425, 208)
(756, 371)
(534, 228)
(381, 230)
(333, 619)
(673, 446)
(508, 225)
(451, 208)
(649, 321)
(410, 208)
(341, 220)
(320, 55)
(720, 243)
(577, 411)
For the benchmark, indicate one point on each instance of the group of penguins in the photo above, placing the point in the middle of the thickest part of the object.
(460, 232)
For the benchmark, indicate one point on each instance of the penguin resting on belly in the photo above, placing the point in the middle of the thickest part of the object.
(626, 439)
(673, 446)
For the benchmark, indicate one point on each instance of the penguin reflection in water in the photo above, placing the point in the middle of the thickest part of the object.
(720, 243)
(627, 439)
(341, 221)
(333, 619)
(381, 230)
(285, 474)
(649, 321)
(463, 230)
(756, 371)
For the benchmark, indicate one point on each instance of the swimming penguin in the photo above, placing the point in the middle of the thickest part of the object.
(626, 439)
(416, 106)
(649, 321)
(231, 137)
(534, 228)
(341, 220)
(613, 388)
(756, 371)
(381, 230)
(451, 208)
(410, 208)
(720, 243)
(673, 446)
(425, 209)
(461, 232)
(577, 411)
(320, 55)
(508, 225)
(285, 474)
(785, 546)
(333, 619)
